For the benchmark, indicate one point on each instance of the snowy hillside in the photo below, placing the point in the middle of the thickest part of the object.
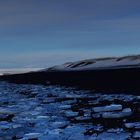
(17, 71)
(100, 63)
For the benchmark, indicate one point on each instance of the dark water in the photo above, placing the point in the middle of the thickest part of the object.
(31, 112)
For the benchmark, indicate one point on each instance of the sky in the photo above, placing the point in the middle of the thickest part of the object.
(43, 33)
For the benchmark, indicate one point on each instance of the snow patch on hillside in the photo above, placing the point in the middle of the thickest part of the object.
(100, 63)
(18, 70)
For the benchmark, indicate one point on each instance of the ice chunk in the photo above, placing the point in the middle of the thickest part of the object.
(71, 114)
(32, 135)
(136, 134)
(126, 112)
(112, 107)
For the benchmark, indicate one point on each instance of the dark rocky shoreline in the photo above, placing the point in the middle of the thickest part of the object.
(105, 80)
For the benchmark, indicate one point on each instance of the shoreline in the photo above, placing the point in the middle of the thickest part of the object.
(106, 80)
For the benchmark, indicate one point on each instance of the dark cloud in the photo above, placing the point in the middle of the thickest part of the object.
(34, 12)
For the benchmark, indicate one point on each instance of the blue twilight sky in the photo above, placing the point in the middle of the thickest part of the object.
(42, 33)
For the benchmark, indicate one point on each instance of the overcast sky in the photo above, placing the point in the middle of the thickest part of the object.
(43, 33)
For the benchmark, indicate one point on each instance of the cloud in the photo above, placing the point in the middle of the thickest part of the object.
(37, 33)
(34, 12)
(39, 18)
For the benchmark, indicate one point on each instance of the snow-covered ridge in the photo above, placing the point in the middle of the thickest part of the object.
(17, 71)
(99, 63)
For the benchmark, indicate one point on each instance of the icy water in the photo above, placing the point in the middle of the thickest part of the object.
(35, 112)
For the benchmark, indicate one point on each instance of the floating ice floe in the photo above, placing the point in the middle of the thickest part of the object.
(132, 125)
(112, 107)
(71, 113)
(113, 136)
(124, 113)
(136, 134)
(32, 136)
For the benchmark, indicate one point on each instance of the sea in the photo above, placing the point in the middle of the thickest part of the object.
(38, 112)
